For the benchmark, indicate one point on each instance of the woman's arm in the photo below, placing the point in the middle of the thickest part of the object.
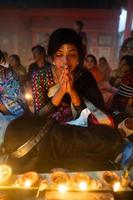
(52, 104)
(76, 101)
(87, 87)
(3, 109)
(55, 100)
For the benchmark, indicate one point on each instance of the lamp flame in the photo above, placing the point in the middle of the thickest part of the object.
(83, 186)
(62, 188)
(28, 96)
(116, 186)
(27, 183)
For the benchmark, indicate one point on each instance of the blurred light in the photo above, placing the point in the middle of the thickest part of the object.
(27, 183)
(83, 186)
(5, 173)
(62, 188)
(28, 96)
(116, 186)
(122, 20)
(132, 25)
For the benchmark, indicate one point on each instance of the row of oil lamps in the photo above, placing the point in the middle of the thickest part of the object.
(62, 181)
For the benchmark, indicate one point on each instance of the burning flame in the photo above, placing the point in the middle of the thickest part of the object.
(28, 96)
(116, 186)
(83, 186)
(27, 183)
(62, 188)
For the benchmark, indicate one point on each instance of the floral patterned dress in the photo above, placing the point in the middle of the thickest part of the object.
(10, 97)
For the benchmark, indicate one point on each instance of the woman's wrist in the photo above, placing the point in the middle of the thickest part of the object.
(75, 98)
(57, 98)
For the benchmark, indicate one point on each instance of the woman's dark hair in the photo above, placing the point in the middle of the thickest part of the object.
(16, 57)
(129, 61)
(103, 58)
(40, 48)
(2, 57)
(79, 24)
(93, 57)
(64, 36)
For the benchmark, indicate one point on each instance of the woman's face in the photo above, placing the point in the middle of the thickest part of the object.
(102, 62)
(1, 61)
(37, 55)
(124, 66)
(12, 62)
(90, 63)
(67, 55)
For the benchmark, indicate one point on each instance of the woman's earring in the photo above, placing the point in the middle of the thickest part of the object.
(54, 63)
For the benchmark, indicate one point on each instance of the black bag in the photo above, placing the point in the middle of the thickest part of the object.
(55, 145)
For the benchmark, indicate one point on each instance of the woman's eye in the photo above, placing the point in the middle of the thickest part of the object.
(69, 55)
(73, 55)
(59, 55)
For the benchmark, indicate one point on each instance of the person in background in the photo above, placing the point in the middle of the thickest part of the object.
(104, 67)
(3, 60)
(66, 82)
(78, 27)
(106, 89)
(11, 104)
(127, 46)
(18, 68)
(123, 100)
(6, 59)
(90, 63)
(35, 86)
(125, 65)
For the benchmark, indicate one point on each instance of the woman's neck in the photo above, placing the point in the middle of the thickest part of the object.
(41, 63)
(16, 68)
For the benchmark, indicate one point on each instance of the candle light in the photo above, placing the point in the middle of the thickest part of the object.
(83, 186)
(116, 186)
(28, 96)
(81, 180)
(62, 188)
(28, 179)
(27, 183)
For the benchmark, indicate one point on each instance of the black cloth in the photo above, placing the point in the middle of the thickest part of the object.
(64, 146)
(87, 88)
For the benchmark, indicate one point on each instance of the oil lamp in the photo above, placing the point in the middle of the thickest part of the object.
(83, 185)
(62, 188)
(116, 186)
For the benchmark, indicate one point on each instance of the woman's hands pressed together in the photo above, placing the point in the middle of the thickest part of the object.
(66, 86)
(66, 81)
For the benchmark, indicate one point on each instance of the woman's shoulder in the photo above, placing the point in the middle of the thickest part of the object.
(33, 68)
(85, 75)
(23, 68)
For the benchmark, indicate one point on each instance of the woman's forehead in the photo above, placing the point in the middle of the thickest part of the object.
(90, 58)
(67, 47)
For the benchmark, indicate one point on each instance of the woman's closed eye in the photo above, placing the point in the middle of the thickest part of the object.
(59, 55)
(74, 55)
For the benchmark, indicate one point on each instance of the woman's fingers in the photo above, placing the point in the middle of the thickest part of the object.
(66, 80)
(62, 75)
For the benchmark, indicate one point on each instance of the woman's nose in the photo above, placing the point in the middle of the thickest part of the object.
(65, 59)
